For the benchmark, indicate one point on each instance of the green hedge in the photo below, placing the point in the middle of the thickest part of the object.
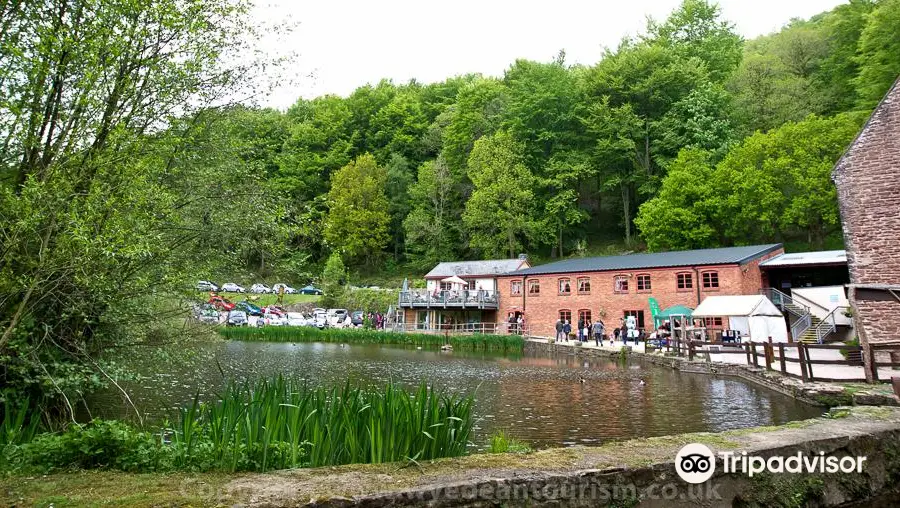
(357, 336)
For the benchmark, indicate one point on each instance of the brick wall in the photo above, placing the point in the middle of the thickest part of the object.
(541, 312)
(868, 185)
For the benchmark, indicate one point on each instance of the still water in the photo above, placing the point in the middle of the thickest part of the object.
(536, 397)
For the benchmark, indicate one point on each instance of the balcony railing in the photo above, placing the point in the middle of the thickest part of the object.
(460, 298)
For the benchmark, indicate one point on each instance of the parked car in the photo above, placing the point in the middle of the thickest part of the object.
(320, 318)
(274, 319)
(310, 290)
(357, 318)
(296, 319)
(276, 288)
(205, 285)
(231, 287)
(336, 317)
(221, 303)
(249, 308)
(208, 314)
(236, 318)
(272, 309)
(260, 289)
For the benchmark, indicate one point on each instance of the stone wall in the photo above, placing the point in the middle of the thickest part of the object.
(868, 186)
(641, 473)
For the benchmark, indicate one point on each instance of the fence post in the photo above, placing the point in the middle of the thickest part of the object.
(755, 358)
(872, 365)
(801, 355)
(781, 358)
(691, 350)
(767, 349)
(747, 348)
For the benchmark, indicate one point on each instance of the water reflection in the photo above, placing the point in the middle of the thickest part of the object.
(537, 397)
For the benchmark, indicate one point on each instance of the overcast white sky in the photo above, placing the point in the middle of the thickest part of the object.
(338, 45)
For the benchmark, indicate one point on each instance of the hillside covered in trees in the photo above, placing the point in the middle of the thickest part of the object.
(684, 136)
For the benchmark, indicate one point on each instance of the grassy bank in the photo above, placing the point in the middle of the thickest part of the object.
(270, 424)
(512, 343)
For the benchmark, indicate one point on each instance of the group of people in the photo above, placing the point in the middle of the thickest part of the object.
(597, 330)
(515, 323)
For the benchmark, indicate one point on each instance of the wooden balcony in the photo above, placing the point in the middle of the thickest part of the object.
(451, 299)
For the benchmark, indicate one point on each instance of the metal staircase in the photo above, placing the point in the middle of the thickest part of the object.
(805, 327)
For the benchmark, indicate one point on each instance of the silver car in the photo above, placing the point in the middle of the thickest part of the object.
(236, 318)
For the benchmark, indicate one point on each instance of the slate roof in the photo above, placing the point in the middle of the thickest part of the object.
(825, 257)
(472, 268)
(702, 257)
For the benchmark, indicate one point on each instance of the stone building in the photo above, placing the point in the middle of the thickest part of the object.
(868, 186)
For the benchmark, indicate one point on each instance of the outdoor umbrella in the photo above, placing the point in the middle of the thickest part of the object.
(454, 280)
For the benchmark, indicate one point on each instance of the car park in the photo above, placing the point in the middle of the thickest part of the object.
(310, 290)
(231, 287)
(260, 289)
(276, 288)
(205, 285)
(249, 308)
(236, 318)
(221, 303)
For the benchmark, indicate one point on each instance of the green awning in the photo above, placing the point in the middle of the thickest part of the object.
(675, 310)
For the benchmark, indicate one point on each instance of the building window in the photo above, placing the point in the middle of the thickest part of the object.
(565, 315)
(445, 286)
(685, 281)
(712, 322)
(643, 282)
(584, 285)
(710, 280)
(565, 286)
(638, 315)
(515, 287)
(470, 285)
(584, 316)
(534, 287)
(621, 284)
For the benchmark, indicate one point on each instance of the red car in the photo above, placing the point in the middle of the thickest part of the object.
(221, 303)
(272, 309)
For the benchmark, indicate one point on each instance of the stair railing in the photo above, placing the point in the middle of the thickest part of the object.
(802, 315)
(828, 324)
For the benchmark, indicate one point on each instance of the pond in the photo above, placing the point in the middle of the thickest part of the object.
(536, 397)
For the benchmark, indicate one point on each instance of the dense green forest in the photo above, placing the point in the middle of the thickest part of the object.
(684, 136)
(127, 172)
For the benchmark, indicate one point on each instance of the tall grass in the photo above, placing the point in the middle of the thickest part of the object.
(278, 423)
(18, 423)
(358, 336)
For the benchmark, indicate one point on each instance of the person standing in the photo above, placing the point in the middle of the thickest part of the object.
(598, 332)
(586, 331)
(567, 329)
(559, 328)
(580, 328)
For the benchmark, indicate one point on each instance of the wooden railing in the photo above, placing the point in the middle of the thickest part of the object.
(775, 357)
(463, 328)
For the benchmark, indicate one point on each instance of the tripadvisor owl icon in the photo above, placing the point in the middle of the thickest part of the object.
(695, 463)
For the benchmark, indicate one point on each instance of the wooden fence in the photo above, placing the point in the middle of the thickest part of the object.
(773, 356)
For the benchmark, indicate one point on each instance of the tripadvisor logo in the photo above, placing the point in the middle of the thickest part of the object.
(696, 463)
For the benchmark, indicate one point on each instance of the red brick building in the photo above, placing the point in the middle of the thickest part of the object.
(868, 185)
(612, 287)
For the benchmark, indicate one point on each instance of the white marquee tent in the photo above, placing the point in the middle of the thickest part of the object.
(753, 315)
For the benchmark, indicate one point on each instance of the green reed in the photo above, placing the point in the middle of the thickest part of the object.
(279, 423)
(358, 336)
